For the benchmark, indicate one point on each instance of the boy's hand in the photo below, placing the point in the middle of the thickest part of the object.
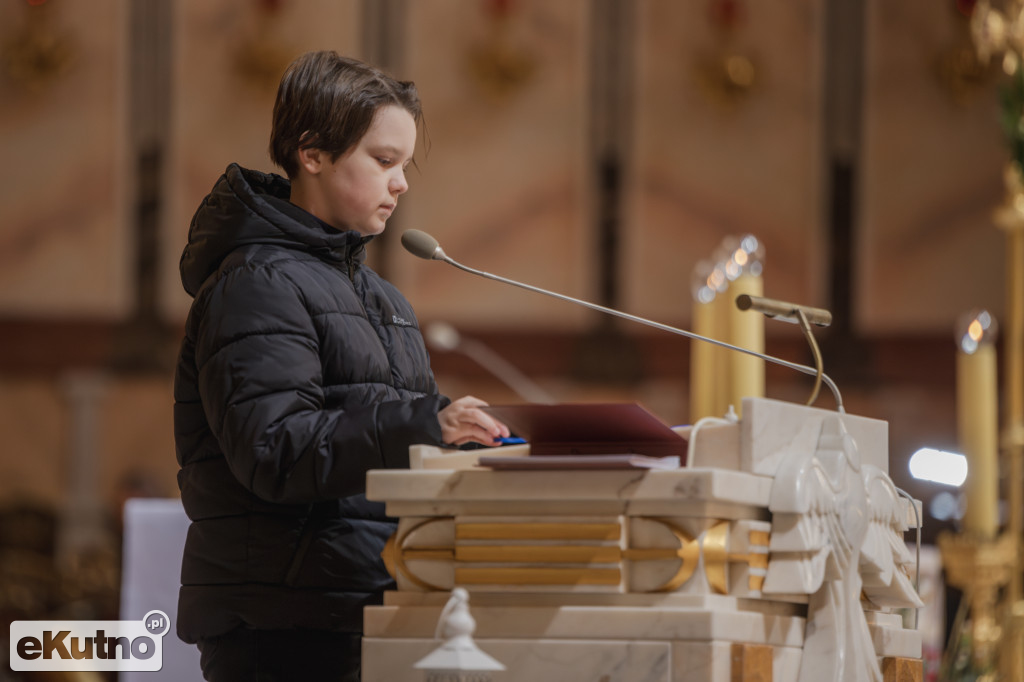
(464, 422)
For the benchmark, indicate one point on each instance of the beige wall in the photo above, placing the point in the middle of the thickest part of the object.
(932, 159)
(227, 58)
(507, 185)
(711, 158)
(65, 232)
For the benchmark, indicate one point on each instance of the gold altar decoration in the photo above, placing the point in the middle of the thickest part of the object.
(725, 74)
(261, 56)
(981, 569)
(38, 53)
(961, 70)
(726, 78)
(499, 64)
(571, 553)
(989, 570)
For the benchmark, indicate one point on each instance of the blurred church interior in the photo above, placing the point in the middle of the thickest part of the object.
(603, 149)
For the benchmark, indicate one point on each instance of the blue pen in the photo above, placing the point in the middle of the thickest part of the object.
(510, 441)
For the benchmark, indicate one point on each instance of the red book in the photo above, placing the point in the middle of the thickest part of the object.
(586, 429)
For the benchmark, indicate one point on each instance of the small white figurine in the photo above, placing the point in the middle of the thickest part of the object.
(455, 620)
(459, 652)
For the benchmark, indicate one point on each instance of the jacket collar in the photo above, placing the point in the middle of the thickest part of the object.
(247, 207)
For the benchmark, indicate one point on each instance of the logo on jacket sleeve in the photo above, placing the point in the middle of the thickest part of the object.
(400, 321)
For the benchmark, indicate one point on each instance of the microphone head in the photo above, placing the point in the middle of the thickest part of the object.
(787, 312)
(420, 244)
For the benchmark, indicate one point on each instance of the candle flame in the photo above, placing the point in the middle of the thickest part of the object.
(716, 280)
(975, 329)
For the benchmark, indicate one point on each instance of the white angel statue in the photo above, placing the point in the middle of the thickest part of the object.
(837, 532)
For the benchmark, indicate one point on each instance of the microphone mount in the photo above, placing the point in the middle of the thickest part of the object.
(798, 314)
(424, 246)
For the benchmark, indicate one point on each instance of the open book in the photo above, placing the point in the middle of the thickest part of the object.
(588, 436)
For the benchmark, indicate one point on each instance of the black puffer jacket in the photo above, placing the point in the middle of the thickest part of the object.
(301, 369)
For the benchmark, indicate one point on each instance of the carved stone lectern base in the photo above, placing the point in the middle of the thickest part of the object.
(719, 571)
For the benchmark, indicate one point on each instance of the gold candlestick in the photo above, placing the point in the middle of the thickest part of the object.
(1010, 217)
(1000, 33)
(980, 569)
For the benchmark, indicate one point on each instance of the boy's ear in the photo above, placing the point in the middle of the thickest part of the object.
(311, 160)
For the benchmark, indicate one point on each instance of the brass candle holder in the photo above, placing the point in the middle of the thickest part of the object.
(981, 569)
(999, 32)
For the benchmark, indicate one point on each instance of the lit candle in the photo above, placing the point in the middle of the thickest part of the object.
(746, 329)
(978, 421)
(720, 356)
(704, 365)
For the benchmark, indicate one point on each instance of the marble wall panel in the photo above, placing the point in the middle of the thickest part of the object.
(932, 159)
(65, 242)
(228, 58)
(130, 424)
(33, 423)
(503, 184)
(726, 140)
(137, 431)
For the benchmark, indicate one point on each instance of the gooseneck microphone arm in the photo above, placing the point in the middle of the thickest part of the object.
(421, 244)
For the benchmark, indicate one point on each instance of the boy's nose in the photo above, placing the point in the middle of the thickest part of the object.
(398, 183)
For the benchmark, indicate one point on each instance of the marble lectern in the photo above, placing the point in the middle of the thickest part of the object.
(776, 553)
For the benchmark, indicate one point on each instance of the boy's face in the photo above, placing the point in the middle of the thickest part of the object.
(359, 190)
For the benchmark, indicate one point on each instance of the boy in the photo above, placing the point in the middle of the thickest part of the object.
(301, 369)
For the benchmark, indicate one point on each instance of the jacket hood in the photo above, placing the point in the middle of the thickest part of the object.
(247, 207)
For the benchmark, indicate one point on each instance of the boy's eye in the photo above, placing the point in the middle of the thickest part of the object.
(385, 161)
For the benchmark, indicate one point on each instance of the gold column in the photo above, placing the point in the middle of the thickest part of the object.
(1000, 32)
(1010, 217)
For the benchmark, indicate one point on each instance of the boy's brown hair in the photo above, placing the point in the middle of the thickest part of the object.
(328, 102)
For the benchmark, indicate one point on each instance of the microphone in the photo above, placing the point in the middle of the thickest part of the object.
(781, 310)
(424, 246)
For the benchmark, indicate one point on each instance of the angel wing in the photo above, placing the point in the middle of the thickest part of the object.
(819, 524)
(808, 538)
(885, 561)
